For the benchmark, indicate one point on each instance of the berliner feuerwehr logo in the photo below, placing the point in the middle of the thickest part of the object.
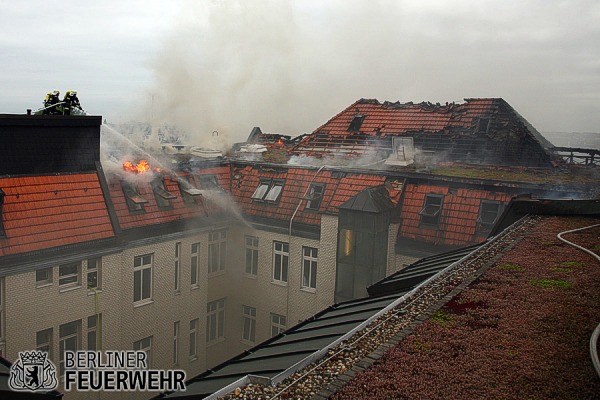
(33, 371)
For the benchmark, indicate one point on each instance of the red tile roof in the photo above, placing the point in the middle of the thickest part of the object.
(387, 119)
(339, 187)
(48, 211)
(179, 210)
(458, 218)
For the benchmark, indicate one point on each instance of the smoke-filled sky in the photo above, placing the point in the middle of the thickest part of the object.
(289, 66)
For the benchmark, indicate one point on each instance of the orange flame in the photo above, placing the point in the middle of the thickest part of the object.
(138, 168)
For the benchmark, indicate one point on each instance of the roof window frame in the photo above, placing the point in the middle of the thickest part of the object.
(356, 123)
(431, 213)
(266, 191)
(314, 201)
(135, 202)
(483, 124)
(191, 193)
(485, 226)
(161, 194)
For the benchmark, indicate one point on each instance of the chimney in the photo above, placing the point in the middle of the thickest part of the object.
(39, 144)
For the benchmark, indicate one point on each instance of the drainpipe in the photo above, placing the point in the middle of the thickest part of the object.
(287, 306)
(98, 323)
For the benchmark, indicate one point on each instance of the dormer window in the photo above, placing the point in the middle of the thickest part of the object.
(268, 190)
(135, 202)
(356, 123)
(161, 194)
(2, 194)
(483, 124)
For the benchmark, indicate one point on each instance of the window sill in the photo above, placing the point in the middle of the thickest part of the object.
(68, 288)
(217, 273)
(248, 342)
(93, 292)
(194, 287)
(215, 342)
(192, 359)
(43, 285)
(308, 289)
(279, 283)
(177, 292)
(142, 303)
(250, 276)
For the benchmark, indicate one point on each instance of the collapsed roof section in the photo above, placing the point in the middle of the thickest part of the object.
(479, 131)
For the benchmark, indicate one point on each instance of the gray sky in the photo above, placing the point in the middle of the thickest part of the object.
(289, 66)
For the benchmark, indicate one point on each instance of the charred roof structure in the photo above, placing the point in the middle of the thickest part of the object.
(479, 131)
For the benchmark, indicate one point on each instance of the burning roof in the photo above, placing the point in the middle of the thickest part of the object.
(479, 131)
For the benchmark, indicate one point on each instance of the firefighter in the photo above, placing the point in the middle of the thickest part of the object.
(71, 101)
(50, 103)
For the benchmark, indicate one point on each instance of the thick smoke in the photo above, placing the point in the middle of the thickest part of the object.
(288, 66)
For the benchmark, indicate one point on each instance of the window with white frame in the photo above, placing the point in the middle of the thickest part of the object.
(142, 278)
(489, 212)
(194, 264)
(215, 320)
(432, 209)
(69, 275)
(281, 256)
(69, 340)
(193, 353)
(217, 251)
(248, 323)
(309, 267)
(251, 255)
(176, 327)
(43, 341)
(268, 190)
(94, 330)
(177, 267)
(145, 345)
(43, 277)
(278, 324)
(93, 270)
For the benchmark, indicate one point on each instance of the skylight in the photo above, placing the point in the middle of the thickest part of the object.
(161, 194)
(268, 190)
(356, 123)
(134, 201)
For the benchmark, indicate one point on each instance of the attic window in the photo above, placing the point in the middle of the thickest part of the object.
(268, 190)
(483, 125)
(314, 196)
(356, 123)
(2, 194)
(188, 191)
(208, 182)
(161, 194)
(134, 201)
(430, 214)
(489, 212)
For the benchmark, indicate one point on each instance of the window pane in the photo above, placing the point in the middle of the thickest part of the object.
(137, 285)
(146, 283)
